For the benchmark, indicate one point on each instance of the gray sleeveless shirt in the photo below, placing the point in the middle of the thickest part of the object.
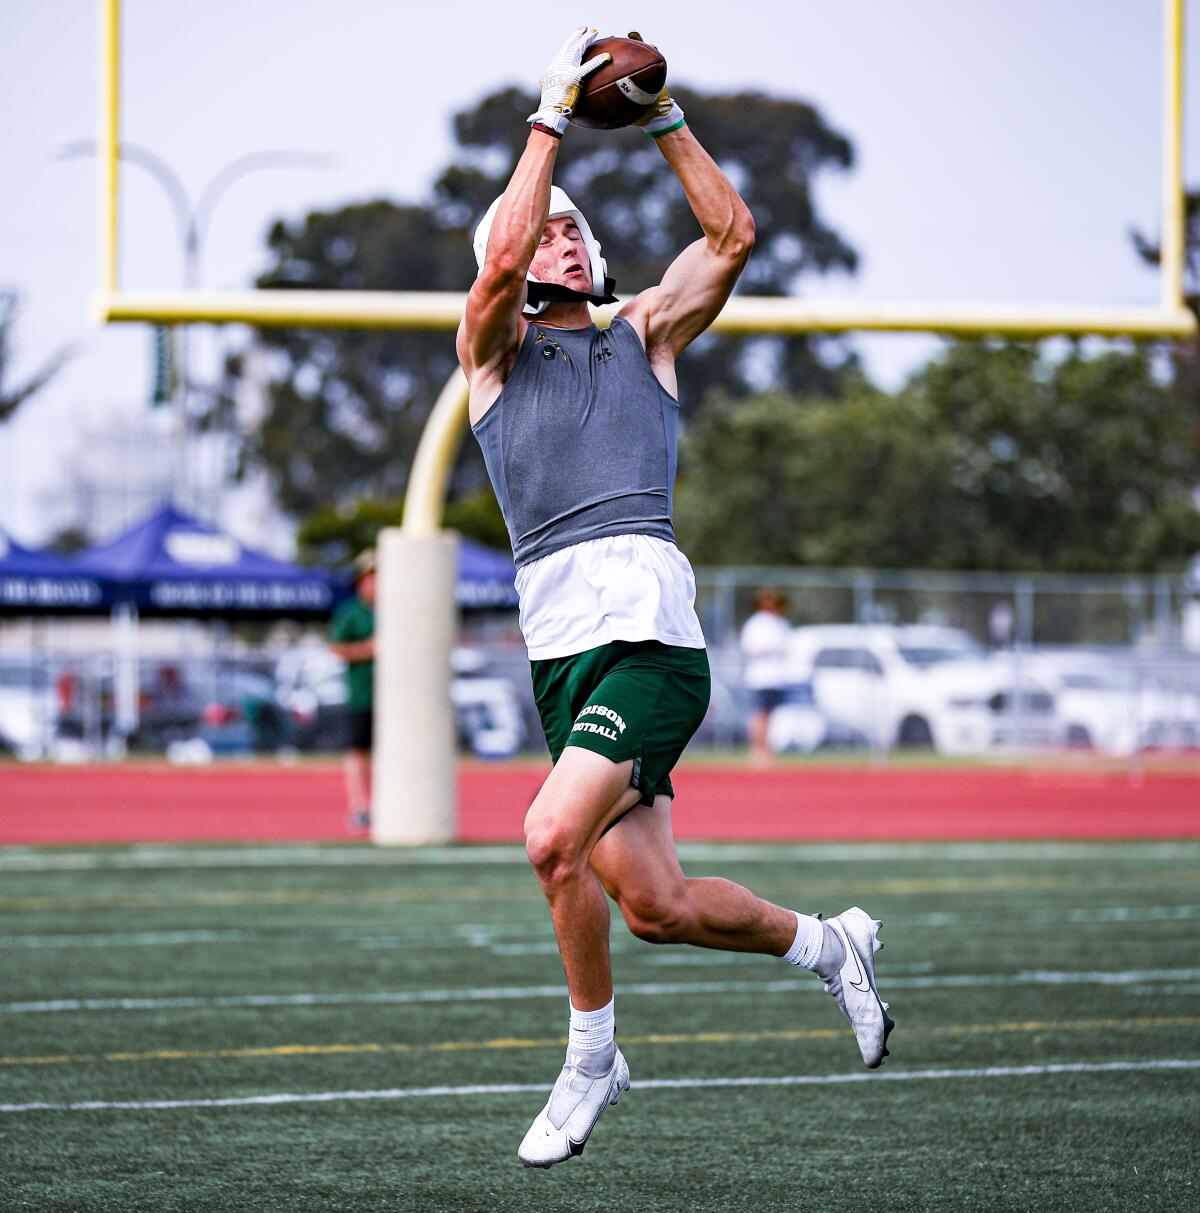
(581, 442)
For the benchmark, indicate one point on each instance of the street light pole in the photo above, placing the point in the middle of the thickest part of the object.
(243, 166)
(193, 221)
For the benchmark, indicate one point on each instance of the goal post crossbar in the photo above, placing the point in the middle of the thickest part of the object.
(743, 314)
(784, 315)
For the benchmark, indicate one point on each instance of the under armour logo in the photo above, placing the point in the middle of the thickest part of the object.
(603, 352)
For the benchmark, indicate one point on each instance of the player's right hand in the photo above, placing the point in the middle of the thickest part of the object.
(663, 114)
(562, 78)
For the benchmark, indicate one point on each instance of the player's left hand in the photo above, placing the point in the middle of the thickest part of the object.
(663, 114)
(563, 77)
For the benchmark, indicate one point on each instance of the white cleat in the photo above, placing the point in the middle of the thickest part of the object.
(853, 985)
(561, 1128)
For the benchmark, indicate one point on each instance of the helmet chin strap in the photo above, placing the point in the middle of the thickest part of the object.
(554, 292)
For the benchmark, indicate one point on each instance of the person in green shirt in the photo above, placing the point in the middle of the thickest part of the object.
(352, 632)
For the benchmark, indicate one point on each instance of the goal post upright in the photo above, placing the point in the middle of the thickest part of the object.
(415, 781)
(110, 139)
(1171, 238)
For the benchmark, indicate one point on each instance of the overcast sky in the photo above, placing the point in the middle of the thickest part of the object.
(1005, 148)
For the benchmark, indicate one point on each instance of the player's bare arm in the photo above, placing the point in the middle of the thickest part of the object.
(492, 327)
(355, 650)
(670, 316)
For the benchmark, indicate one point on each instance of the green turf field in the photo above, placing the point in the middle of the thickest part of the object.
(397, 985)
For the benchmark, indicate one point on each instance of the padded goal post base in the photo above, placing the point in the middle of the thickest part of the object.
(414, 762)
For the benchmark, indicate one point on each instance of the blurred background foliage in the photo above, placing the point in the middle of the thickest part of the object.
(992, 458)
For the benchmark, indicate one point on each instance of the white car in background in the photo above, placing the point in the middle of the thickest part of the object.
(28, 710)
(489, 717)
(1119, 704)
(797, 723)
(924, 685)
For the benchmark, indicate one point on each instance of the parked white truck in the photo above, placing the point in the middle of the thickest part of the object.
(924, 686)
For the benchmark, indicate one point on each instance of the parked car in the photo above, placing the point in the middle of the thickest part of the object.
(798, 725)
(229, 708)
(28, 709)
(923, 685)
(1111, 701)
(488, 716)
(310, 685)
(241, 715)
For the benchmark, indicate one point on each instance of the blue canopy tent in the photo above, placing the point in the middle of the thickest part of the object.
(485, 578)
(173, 564)
(38, 582)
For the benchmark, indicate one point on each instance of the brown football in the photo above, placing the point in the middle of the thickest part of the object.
(620, 92)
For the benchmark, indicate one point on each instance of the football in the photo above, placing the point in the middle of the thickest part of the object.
(620, 92)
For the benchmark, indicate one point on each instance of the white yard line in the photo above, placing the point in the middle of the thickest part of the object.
(535, 939)
(653, 1084)
(1039, 977)
(128, 939)
(470, 934)
(183, 855)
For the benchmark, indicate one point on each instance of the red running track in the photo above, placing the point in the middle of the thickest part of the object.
(161, 803)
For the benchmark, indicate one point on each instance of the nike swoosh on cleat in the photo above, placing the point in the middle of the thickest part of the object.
(863, 986)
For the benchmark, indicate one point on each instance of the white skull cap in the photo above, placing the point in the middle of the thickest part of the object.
(560, 207)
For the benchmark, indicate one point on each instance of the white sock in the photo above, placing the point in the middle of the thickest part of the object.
(592, 1033)
(806, 947)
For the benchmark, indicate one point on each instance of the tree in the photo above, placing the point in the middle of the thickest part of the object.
(346, 407)
(12, 397)
(781, 480)
(991, 457)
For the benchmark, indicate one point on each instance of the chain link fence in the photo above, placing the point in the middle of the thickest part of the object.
(960, 663)
(969, 662)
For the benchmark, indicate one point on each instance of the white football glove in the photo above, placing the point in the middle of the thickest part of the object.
(663, 113)
(562, 79)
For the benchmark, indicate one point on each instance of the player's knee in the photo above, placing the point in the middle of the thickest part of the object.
(552, 852)
(656, 917)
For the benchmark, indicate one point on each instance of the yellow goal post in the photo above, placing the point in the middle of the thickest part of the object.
(415, 783)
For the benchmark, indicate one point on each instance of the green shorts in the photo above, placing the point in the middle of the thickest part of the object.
(629, 699)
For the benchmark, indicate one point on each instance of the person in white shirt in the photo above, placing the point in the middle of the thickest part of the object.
(764, 643)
